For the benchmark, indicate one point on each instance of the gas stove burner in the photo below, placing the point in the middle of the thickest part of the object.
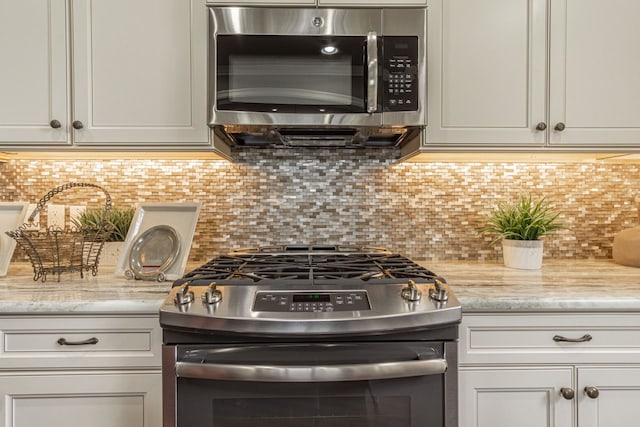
(308, 265)
(310, 249)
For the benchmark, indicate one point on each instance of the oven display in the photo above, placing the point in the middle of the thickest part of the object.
(311, 302)
(311, 298)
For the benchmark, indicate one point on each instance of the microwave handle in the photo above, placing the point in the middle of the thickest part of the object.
(372, 72)
(331, 373)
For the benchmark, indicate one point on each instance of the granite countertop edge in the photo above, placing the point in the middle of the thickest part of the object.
(560, 286)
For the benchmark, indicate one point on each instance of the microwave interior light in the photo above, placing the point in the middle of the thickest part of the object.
(329, 50)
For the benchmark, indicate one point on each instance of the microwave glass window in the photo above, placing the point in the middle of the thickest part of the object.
(291, 80)
(310, 74)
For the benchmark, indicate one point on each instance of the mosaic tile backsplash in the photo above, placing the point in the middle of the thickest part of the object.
(427, 211)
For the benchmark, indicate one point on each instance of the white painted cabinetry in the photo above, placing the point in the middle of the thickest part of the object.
(107, 375)
(34, 72)
(517, 369)
(103, 74)
(532, 73)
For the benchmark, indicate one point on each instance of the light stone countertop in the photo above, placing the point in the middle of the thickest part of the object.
(574, 285)
(104, 293)
(578, 285)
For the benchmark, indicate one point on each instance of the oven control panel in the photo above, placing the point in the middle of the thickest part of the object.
(284, 301)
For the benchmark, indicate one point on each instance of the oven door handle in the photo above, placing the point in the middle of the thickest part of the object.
(326, 373)
(372, 72)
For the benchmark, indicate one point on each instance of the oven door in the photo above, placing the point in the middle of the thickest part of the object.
(322, 385)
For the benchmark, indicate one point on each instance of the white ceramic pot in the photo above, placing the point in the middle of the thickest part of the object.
(522, 254)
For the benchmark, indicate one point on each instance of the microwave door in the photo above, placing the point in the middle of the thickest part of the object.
(298, 79)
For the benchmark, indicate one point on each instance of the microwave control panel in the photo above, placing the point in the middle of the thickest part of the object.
(400, 73)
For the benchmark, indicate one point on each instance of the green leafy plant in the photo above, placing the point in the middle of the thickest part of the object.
(525, 219)
(119, 221)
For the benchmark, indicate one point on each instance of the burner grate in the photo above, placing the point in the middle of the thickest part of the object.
(252, 267)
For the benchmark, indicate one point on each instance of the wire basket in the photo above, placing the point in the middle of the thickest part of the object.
(54, 250)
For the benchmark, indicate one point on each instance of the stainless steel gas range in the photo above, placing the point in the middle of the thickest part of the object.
(310, 336)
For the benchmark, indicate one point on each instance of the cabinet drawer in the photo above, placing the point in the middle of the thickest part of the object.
(529, 338)
(79, 341)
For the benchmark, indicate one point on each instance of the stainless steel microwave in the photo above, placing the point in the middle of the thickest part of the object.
(316, 76)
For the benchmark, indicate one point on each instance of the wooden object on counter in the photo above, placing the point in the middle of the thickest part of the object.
(626, 247)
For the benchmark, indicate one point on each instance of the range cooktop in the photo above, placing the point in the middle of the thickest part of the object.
(310, 290)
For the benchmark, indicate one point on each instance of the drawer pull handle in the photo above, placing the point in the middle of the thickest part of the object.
(90, 341)
(584, 338)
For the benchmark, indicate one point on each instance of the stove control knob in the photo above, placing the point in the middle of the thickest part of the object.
(212, 295)
(438, 292)
(411, 292)
(183, 295)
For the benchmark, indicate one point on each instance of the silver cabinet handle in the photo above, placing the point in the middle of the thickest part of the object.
(584, 338)
(567, 393)
(592, 392)
(90, 341)
(55, 124)
(372, 72)
(327, 373)
(559, 127)
(77, 124)
(541, 126)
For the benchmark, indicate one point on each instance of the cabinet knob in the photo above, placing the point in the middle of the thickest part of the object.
(592, 391)
(567, 393)
(560, 127)
(541, 126)
(55, 124)
(77, 124)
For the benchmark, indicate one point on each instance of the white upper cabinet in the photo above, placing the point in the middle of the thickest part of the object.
(138, 73)
(486, 71)
(33, 75)
(503, 74)
(595, 69)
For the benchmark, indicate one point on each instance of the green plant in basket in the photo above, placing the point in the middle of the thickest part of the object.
(119, 222)
(524, 219)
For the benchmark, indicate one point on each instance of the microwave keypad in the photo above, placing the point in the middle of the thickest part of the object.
(400, 73)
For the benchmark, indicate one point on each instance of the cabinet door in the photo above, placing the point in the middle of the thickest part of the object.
(72, 399)
(487, 72)
(515, 397)
(616, 404)
(139, 72)
(594, 84)
(33, 75)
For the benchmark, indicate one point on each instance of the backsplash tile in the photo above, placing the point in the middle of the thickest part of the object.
(423, 210)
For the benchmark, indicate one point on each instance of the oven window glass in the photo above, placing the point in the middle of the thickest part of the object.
(291, 73)
(313, 411)
(406, 402)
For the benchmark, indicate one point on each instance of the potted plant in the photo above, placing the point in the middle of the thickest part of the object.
(520, 226)
(119, 222)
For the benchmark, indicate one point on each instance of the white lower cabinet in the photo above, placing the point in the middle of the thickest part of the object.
(550, 370)
(80, 399)
(510, 397)
(78, 371)
(617, 403)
